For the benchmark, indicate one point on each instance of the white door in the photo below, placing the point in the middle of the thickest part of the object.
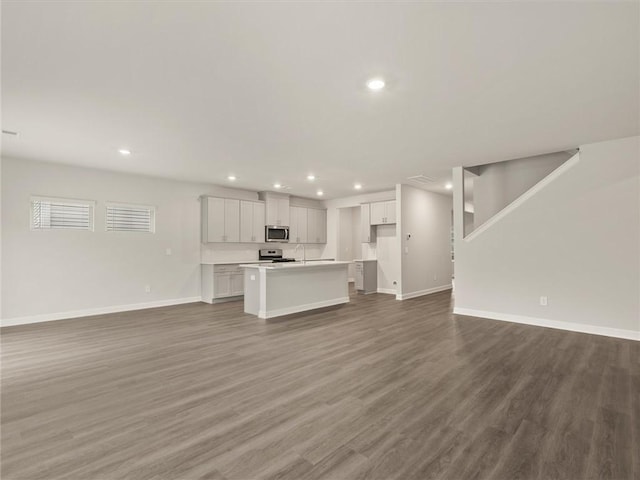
(302, 225)
(378, 213)
(258, 223)
(294, 236)
(215, 219)
(222, 285)
(390, 216)
(237, 284)
(312, 225)
(246, 221)
(232, 220)
(322, 226)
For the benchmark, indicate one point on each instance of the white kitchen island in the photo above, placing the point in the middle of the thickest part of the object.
(275, 289)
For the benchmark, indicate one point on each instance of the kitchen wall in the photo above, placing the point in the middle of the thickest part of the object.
(425, 241)
(575, 240)
(385, 250)
(63, 273)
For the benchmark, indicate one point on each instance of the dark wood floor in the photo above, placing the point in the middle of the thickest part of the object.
(376, 389)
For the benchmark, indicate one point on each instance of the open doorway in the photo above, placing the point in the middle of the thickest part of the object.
(349, 237)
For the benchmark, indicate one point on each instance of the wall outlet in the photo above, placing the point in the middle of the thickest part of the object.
(544, 301)
(435, 277)
(168, 251)
(253, 277)
(147, 288)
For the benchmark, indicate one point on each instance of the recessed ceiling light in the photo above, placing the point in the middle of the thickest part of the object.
(231, 178)
(320, 193)
(375, 84)
(448, 186)
(357, 186)
(124, 151)
(277, 185)
(311, 177)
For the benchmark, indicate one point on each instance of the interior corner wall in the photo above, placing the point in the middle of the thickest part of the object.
(499, 184)
(426, 255)
(575, 241)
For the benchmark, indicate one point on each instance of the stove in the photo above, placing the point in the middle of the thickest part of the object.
(273, 254)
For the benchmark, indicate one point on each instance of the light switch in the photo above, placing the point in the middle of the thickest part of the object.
(253, 277)
(168, 251)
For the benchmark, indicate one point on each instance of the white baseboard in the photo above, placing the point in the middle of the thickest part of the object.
(419, 293)
(559, 325)
(48, 317)
(391, 291)
(302, 308)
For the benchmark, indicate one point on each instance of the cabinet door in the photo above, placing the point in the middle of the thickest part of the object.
(359, 276)
(378, 213)
(246, 221)
(272, 212)
(215, 219)
(258, 223)
(283, 212)
(366, 232)
(303, 214)
(232, 220)
(390, 212)
(294, 235)
(322, 226)
(237, 284)
(312, 225)
(222, 285)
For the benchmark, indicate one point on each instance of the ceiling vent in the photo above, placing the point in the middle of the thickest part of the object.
(421, 180)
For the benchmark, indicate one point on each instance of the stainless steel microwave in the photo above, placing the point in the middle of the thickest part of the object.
(276, 233)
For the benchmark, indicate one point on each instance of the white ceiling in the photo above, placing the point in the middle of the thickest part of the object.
(273, 91)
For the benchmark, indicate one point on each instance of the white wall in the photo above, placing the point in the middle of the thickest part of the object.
(498, 184)
(425, 256)
(576, 241)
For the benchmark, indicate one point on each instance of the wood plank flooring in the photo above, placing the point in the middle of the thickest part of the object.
(375, 389)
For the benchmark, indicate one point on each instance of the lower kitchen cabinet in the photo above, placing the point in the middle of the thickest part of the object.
(366, 279)
(222, 282)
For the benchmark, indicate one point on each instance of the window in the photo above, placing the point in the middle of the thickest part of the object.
(122, 217)
(61, 213)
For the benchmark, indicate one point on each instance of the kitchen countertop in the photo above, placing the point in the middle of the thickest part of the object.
(367, 260)
(246, 262)
(295, 265)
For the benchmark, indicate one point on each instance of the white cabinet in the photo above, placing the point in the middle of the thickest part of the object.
(220, 220)
(316, 225)
(367, 232)
(277, 208)
(298, 225)
(222, 282)
(366, 277)
(251, 222)
(383, 212)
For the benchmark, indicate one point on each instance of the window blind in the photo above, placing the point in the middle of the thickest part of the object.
(67, 214)
(130, 218)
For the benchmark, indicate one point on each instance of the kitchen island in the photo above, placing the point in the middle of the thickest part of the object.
(272, 290)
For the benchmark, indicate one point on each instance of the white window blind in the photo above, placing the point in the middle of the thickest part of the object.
(61, 213)
(122, 217)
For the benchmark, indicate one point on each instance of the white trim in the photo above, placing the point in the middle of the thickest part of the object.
(302, 308)
(572, 162)
(419, 293)
(48, 317)
(391, 291)
(543, 322)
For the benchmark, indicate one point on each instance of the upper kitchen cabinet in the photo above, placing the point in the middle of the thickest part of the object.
(220, 220)
(383, 212)
(367, 232)
(277, 206)
(252, 222)
(298, 225)
(316, 225)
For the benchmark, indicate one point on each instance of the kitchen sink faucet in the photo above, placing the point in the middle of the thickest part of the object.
(304, 252)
